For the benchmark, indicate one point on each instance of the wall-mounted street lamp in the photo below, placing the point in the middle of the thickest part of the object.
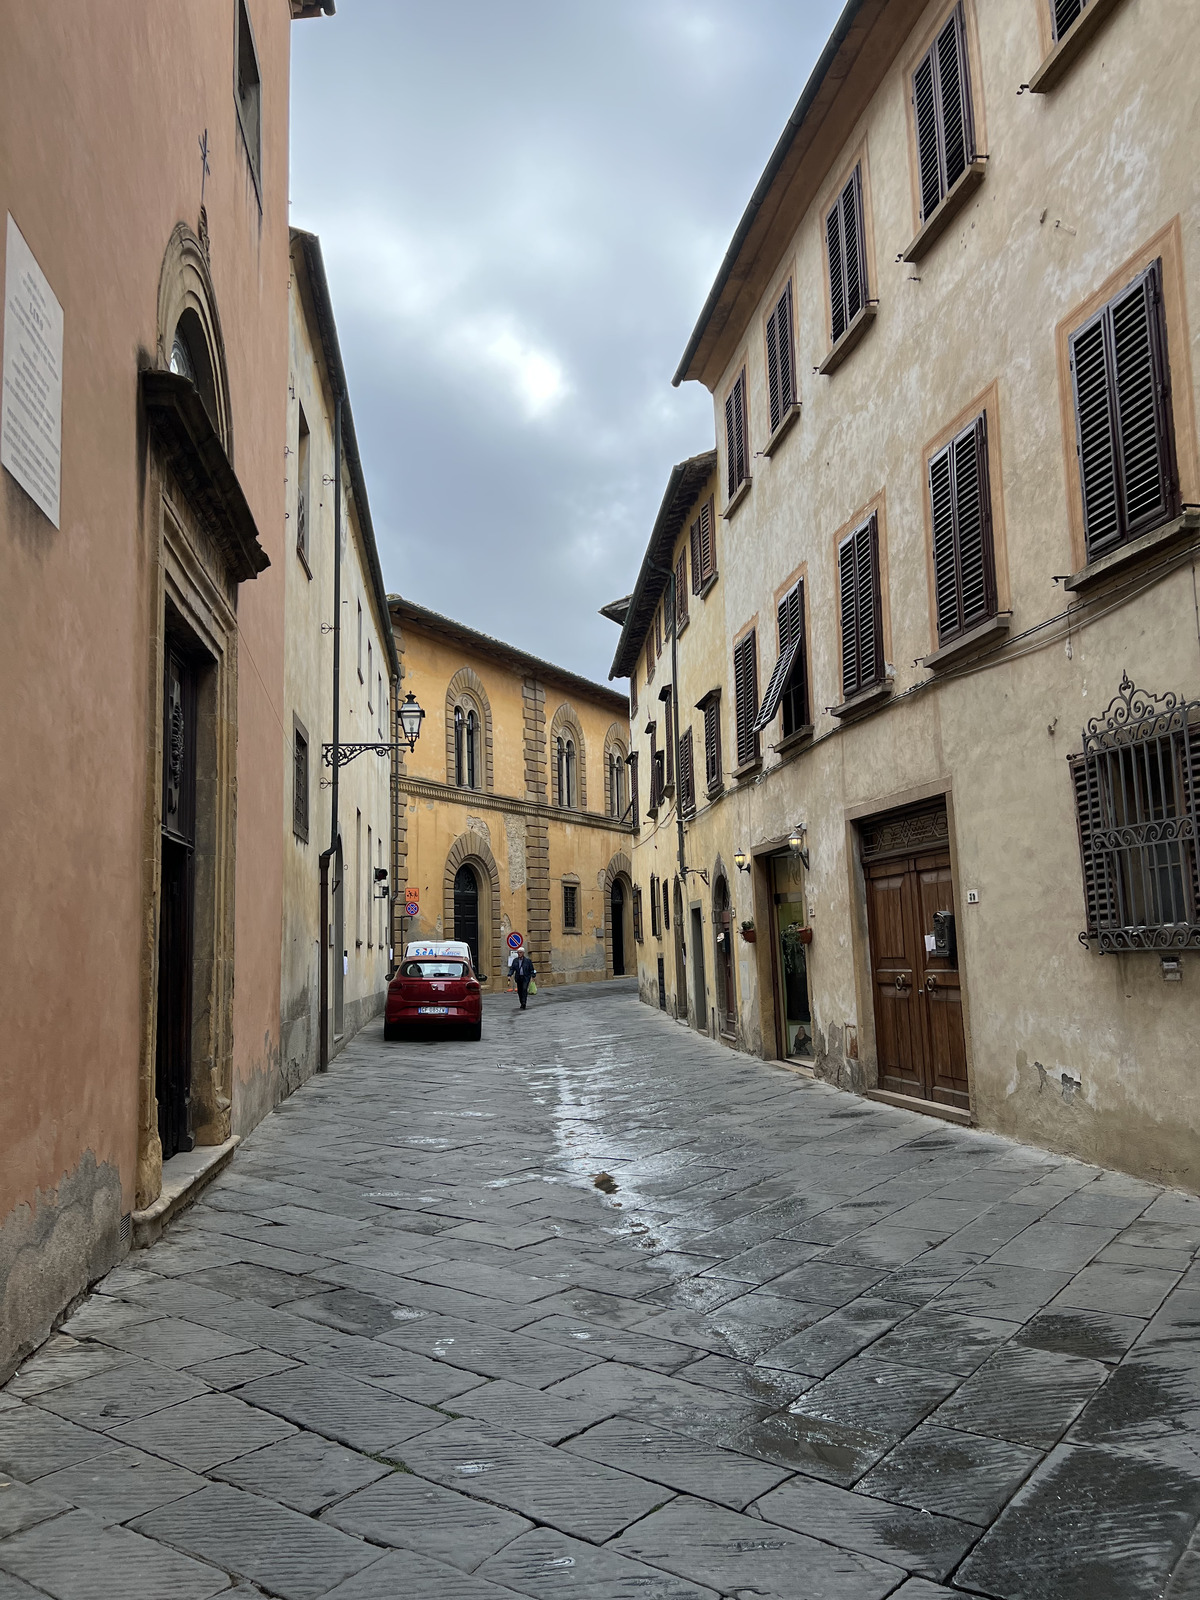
(740, 860)
(796, 843)
(411, 716)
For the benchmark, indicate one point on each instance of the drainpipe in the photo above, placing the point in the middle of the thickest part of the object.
(328, 855)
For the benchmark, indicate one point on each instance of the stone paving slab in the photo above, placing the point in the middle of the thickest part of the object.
(550, 1566)
(535, 1412)
(286, 1553)
(414, 1514)
(119, 1395)
(493, 1353)
(22, 1507)
(121, 1484)
(304, 1471)
(203, 1433)
(343, 1408)
(34, 1442)
(678, 1462)
(409, 1573)
(76, 1558)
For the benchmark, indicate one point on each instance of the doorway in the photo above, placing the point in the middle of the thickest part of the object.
(341, 955)
(699, 984)
(726, 994)
(681, 987)
(793, 1007)
(617, 914)
(919, 1035)
(173, 1051)
(466, 911)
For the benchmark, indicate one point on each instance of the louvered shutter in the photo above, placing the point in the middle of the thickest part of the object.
(650, 657)
(941, 98)
(844, 236)
(694, 540)
(687, 785)
(1097, 884)
(669, 741)
(781, 377)
(1119, 374)
(708, 563)
(1062, 14)
(963, 559)
(745, 690)
(735, 435)
(861, 604)
(681, 588)
(712, 743)
(791, 641)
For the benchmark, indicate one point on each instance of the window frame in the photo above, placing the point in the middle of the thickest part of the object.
(969, 444)
(748, 747)
(791, 620)
(303, 508)
(572, 921)
(637, 914)
(301, 790)
(687, 774)
(249, 117)
(714, 773)
(704, 560)
(955, 17)
(865, 533)
(783, 390)
(736, 409)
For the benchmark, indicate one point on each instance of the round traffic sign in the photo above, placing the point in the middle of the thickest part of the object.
(515, 941)
(412, 909)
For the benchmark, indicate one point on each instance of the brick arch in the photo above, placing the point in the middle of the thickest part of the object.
(567, 720)
(467, 684)
(617, 738)
(619, 867)
(472, 849)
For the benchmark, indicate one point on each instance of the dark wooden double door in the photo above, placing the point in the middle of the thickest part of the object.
(176, 907)
(920, 1041)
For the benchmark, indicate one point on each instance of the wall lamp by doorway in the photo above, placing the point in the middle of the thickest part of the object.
(741, 861)
(796, 843)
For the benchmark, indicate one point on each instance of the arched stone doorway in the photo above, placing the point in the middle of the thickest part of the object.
(617, 912)
(466, 910)
(723, 939)
(618, 919)
(481, 910)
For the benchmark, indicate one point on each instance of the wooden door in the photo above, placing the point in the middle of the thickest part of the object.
(920, 1041)
(173, 1052)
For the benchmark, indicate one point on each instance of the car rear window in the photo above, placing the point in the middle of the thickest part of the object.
(433, 969)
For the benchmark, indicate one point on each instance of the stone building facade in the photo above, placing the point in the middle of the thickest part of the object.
(949, 643)
(143, 197)
(510, 811)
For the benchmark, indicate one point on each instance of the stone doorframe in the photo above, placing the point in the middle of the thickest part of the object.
(472, 849)
(619, 867)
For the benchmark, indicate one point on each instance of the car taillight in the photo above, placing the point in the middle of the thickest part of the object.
(472, 986)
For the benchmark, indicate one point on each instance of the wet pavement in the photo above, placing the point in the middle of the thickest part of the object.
(796, 1345)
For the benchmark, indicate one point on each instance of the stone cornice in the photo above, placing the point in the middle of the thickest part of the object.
(480, 799)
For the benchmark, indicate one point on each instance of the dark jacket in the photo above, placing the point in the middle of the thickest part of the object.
(523, 970)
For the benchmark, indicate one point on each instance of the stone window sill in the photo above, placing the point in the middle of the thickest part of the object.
(787, 423)
(990, 632)
(852, 336)
(1071, 45)
(1124, 555)
(747, 769)
(706, 586)
(945, 214)
(715, 793)
(794, 741)
(865, 700)
(736, 499)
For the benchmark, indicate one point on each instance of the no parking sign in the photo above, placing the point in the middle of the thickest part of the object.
(515, 941)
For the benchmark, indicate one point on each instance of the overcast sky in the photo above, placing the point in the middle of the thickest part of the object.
(522, 205)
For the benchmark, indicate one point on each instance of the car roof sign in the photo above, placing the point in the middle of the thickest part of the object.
(432, 948)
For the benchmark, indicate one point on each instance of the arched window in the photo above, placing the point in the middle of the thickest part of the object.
(567, 783)
(466, 747)
(460, 765)
(472, 748)
(616, 784)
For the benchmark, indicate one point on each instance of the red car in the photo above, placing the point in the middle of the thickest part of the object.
(435, 986)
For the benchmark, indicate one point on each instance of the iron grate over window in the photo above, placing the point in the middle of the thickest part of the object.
(1137, 793)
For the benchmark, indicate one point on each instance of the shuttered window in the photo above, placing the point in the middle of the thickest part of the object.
(637, 912)
(681, 590)
(633, 703)
(632, 768)
(658, 633)
(736, 445)
(655, 770)
(1124, 435)
(781, 360)
(845, 240)
(712, 743)
(964, 570)
(655, 930)
(704, 554)
(861, 603)
(1062, 14)
(651, 658)
(669, 739)
(687, 774)
(787, 685)
(941, 96)
(745, 697)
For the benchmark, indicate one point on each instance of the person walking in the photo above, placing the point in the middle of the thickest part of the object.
(523, 974)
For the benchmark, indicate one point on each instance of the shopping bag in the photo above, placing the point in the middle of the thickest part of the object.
(533, 986)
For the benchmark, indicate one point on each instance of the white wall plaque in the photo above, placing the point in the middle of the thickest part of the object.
(31, 415)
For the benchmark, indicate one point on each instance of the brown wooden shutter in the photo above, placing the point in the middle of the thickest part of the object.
(735, 435)
(694, 540)
(1062, 14)
(681, 589)
(781, 374)
(963, 559)
(669, 741)
(633, 703)
(637, 912)
(654, 768)
(791, 638)
(745, 692)
(1124, 433)
(941, 96)
(687, 781)
(845, 241)
(708, 554)
(861, 603)
(712, 743)
(1097, 889)
(650, 657)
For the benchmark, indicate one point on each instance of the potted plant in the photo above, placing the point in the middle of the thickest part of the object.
(748, 930)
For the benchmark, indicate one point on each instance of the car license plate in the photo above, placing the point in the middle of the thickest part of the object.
(433, 1011)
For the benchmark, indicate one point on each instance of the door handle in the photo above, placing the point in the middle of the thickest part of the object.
(931, 982)
(902, 983)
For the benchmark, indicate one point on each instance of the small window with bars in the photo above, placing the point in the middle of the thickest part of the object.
(941, 97)
(713, 775)
(300, 783)
(1064, 14)
(737, 446)
(570, 907)
(781, 358)
(1124, 434)
(861, 603)
(964, 565)
(687, 775)
(745, 697)
(1137, 798)
(703, 547)
(787, 687)
(845, 242)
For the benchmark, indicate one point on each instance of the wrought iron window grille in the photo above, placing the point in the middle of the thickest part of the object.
(1138, 804)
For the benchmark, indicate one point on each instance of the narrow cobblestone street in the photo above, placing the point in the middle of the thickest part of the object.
(795, 1345)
